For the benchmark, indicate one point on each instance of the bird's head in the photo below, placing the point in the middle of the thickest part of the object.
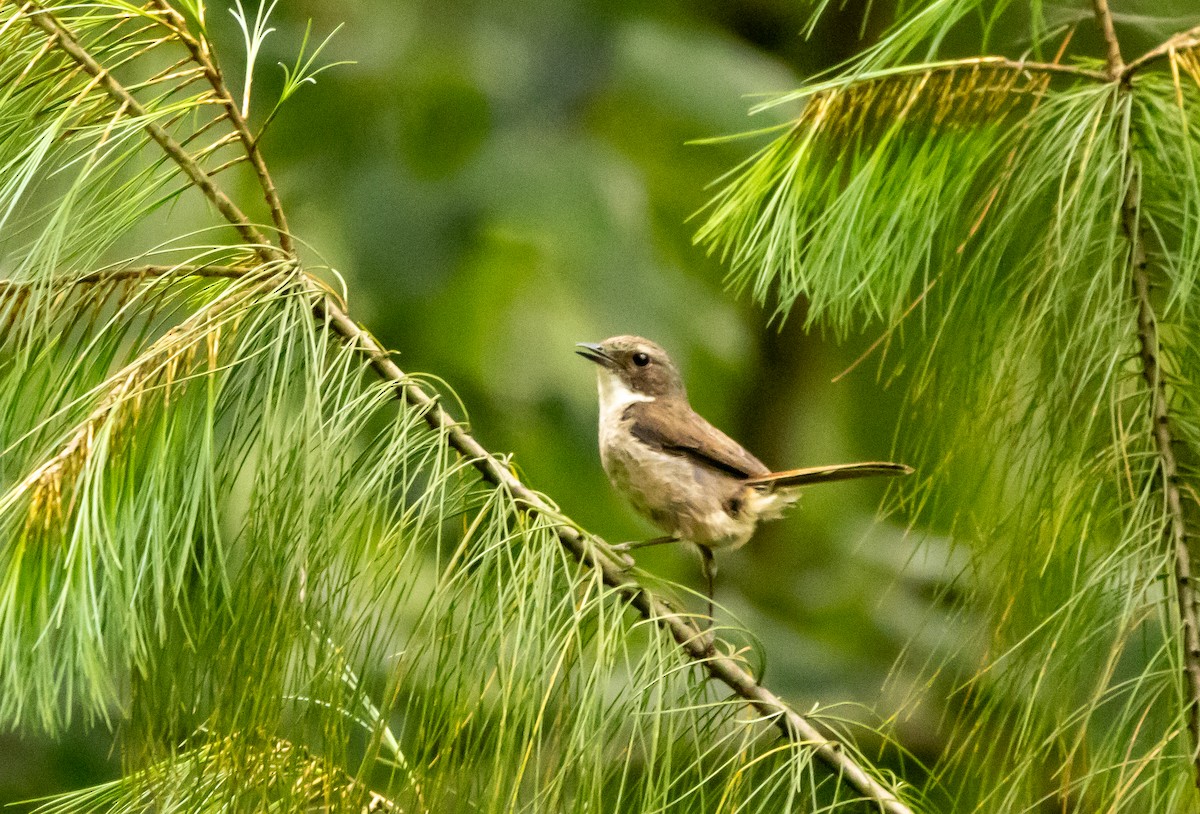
(637, 365)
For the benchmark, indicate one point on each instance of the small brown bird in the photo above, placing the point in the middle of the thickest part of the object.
(687, 477)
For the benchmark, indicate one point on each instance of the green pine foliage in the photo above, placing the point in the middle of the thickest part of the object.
(275, 573)
(993, 214)
(271, 571)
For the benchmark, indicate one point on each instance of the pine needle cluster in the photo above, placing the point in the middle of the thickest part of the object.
(1026, 231)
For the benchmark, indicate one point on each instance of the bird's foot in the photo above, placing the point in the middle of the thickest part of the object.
(623, 559)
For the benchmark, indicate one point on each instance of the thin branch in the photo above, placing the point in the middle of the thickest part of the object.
(932, 69)
(1104, 21)
(1025, 65)
(1179, 42)
(203, 55)
(1035, 67)
(9, 287)
(1175, 532)
(587, 550)
(593, 553)
(220, 168)
(997, 62)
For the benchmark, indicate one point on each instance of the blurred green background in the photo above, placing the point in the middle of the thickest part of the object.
(496, 180)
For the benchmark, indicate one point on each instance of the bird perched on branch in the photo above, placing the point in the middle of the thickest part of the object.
(687, 477)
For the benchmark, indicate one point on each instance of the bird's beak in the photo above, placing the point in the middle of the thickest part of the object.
(595, 353)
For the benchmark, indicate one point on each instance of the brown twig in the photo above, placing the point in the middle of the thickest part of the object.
(587, 550)
(1039, 67)
(999, 63)
(132, 273)
(1104, 21)
(1179, 42)
(1033, 67)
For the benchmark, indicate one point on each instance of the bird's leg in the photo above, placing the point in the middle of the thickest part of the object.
(709, 563)
(622, 549)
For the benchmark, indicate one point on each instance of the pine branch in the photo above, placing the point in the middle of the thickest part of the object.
(588, 550)
(942, 92)
(1004, 63)
(1039, 67)
(926, 70)
(1175, 531)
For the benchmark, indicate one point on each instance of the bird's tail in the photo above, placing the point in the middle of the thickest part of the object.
(824, 474)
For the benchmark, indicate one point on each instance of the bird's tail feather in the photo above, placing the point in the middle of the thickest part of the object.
(824, 474)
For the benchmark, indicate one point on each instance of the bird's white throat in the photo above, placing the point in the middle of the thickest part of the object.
(615, 396)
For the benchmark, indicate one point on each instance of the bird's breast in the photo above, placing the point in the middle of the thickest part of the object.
(682, 497)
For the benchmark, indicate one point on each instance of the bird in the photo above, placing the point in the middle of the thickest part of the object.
(687, 477)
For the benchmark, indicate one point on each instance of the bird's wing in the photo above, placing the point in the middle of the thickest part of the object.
(674, 427)
(823, 474)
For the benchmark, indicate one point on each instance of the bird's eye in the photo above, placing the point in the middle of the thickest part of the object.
(641, 359)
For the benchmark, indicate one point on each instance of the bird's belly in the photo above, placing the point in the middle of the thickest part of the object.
(687, 500)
